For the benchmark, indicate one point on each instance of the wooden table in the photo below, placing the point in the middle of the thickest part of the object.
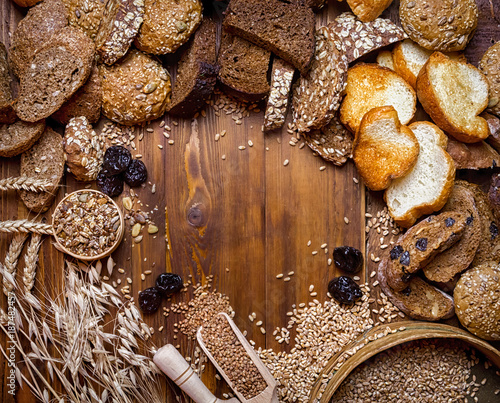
(240, 215)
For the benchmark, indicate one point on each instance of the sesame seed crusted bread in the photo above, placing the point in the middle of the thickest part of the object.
(368, 10)
(419, 300)
(167, 25)
(34, 31)
(361, 38)
(285, 29)
(472, 156)
(427, 186)
(370, 86)
(444, 25)
(454, 93)
(119, 26)
(45, 160)
(476, 300)
(416, 248)
(18, 137)
(445, 265)
(384, 149)
(55, 73)
(490, 66)
(83, 149)
(84, 102)
(277, 102)
(196, 72)
(85, 14)
(317, 95)
(332, 142)
(7, 114)
(136, 89)
(384, 59)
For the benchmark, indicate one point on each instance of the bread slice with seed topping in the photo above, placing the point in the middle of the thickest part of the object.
(19, 137)
(7, 114)
(45, 160)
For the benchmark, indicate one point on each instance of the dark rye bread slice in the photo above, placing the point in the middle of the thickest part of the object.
(34, 31)
(196, 72)
(84, 102)
(18, 137)
(419, 300)
(443, 267)
(7, 114)
(417, 246)
(243, 68)
(286, 29)
(45, 160)
(55, 73)
(472, 155)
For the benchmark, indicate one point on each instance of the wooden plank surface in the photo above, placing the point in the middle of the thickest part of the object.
(239, 215)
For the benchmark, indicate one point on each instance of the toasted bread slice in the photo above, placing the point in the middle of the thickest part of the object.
(384, 149)
(370, 86)
(420, 244)
(473, 155)
(427, 186)
(443, 267)
(419, 300)
(454, 93)
(385, 59)
(368, 10)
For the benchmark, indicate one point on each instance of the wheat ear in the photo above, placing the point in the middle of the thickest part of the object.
(25, 226)
(31, 262)
(26, 183)
(11, 258)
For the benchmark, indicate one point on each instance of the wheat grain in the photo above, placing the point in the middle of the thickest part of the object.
(26, 183)
(25, 226)
(11, 259)
(31, 262)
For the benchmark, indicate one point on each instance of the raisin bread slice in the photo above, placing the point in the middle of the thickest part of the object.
(317, 95)
(7, 114)
(19, 137)
(420, 244)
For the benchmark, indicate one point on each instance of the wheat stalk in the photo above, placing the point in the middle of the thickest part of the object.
(31, 262)
(18, 226)
(26, 183)
(11, 259)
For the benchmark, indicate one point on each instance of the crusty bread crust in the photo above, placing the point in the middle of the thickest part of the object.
(368, 10)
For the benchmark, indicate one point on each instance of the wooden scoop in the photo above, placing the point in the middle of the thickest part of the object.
(269, 394)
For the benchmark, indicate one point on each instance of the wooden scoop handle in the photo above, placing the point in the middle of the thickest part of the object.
(170, 361)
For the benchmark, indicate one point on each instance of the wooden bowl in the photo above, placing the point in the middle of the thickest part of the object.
(106, 252)
(413, 331)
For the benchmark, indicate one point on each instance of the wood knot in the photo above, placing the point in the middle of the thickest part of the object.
(195, 216)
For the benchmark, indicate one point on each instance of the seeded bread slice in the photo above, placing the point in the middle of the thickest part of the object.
(18, 137)
(55, 73)
(332, 142)
(472, 156)
(119, 26)
(490, 66)
(286, 29)
(419, 300)
(415, 249)
(317, 95)
(277, 103)
(443, 267)
(196, 72)
(34, 31)
(7, 114)
(454, 93)
(45, 160)
(361, 38)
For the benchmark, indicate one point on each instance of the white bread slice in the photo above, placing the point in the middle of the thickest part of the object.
(428, 185)
(409, 58)
(454, 94)
(384, 149)
(384, 58)
(369, 86)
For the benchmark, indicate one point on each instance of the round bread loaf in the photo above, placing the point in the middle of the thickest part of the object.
(85, 14)
(134, 90)
(444, 25)
(490, 66)
(477, 300)
(167, 25)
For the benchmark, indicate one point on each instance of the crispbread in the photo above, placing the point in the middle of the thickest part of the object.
(317, 95)
(454, 93)
(18, 137)
(360, 38)
(490, 66)
(384, 149)
(7, 114)
(473, 156)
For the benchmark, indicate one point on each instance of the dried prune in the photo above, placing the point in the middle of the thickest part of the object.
(111, 185)
(344, 290)
(449, 222)
(405, 258)
(421, 244)
(116, 160)
(136, 173)
(169, 283)
(396, 252)
(348, 259)
(150, 299)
